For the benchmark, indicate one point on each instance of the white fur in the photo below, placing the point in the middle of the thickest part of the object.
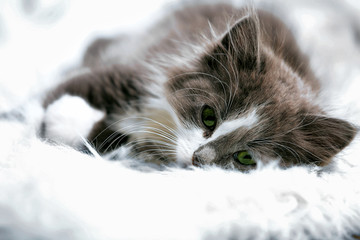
(49, 192)
(247, 121)
(188, 141)
(62, 193)
(70, 119)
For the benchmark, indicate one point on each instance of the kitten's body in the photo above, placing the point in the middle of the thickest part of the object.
(242, 64)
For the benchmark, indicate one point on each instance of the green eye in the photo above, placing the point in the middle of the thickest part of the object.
(244, 158)
(208, 117)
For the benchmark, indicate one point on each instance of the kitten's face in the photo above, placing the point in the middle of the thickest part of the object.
(242, 106)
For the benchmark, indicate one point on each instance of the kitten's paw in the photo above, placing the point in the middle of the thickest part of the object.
(69, 119)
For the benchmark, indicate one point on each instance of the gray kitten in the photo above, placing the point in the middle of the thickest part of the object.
(209, 84)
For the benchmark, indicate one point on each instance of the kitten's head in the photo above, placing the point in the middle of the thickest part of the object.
(244, 103)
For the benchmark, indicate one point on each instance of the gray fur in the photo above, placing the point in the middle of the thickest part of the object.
(233, 60)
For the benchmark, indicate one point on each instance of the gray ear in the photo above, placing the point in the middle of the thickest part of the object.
(323, 137)
(241, 42)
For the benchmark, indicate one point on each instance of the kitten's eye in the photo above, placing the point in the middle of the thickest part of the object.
(208, 117)
(244, 158)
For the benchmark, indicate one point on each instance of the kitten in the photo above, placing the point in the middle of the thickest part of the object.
(209, 84)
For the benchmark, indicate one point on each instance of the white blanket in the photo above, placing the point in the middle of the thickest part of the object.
(55, 192)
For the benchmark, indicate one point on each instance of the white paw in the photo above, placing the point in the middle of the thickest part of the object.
(70, 119)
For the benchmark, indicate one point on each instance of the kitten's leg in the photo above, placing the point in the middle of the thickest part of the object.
(104, 93)
(68, 119)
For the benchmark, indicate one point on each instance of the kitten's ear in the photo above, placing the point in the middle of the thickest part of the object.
(324, 137)
(241, 42)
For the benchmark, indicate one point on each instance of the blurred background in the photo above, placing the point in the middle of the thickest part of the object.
(41, 38)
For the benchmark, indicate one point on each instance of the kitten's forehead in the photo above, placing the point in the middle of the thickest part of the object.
(247, 120)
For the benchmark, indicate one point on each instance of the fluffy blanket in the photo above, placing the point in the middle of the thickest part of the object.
(55, 192)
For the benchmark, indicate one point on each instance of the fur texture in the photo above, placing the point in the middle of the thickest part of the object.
(238, 60)
(53, 192)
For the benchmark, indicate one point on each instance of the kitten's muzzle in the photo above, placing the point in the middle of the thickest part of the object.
(196, 160)
(204, 155)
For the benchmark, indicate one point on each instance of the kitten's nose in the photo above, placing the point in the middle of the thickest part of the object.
(204, 155)
(196, 160)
